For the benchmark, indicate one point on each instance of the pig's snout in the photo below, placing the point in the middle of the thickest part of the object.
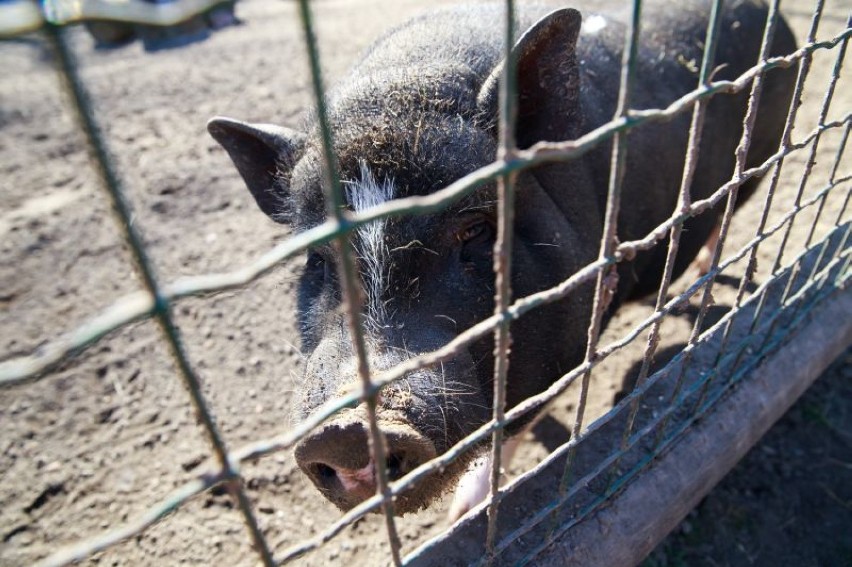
(338, 460)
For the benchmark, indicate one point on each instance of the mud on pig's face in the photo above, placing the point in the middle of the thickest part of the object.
(423, 280)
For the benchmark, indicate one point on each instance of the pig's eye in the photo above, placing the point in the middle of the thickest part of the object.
(475, 232)
(476, 239)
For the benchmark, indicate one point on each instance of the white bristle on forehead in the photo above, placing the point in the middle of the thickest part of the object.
(369, 240)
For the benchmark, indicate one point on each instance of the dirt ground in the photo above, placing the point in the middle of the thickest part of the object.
(111, 432)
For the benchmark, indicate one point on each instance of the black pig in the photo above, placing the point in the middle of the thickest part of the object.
(418, 112)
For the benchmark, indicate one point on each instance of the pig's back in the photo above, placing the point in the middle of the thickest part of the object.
(437, 61)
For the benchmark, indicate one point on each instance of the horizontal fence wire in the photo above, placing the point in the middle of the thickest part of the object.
(658, 422)
(140, 305)
(547, 509)
(156, 300)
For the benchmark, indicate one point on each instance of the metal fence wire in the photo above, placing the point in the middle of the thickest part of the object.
(750, 330)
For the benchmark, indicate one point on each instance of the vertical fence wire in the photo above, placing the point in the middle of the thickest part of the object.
(843, 243)
(112, 183)
(829, 95)
(350, 282)
(795, 104)
(806, 172)
(739, 166)
(684, 200)
(832, 179)
(811, 161)
(503, 266)
(606, 282)
(784, 149)
(835, 77)
(741, 155)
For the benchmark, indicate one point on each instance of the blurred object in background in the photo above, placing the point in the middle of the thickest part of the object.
(160, 24)
(19, 16)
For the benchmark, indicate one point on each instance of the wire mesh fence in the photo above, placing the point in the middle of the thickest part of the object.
(753, 327)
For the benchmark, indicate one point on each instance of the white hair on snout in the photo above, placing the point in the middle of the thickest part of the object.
(369, 241)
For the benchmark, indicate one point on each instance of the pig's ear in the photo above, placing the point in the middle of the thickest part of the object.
(260, 152)
(547, 80)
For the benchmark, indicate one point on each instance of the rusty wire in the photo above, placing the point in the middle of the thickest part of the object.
(684, 199)
(831, 178)
(835, 77)
(804, 68)
(155, 301)
(741, 154)
(656, 423)
(607, 280)
(350, 283)
(503, 265)
(811, 161)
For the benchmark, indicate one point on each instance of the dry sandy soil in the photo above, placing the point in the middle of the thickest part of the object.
(111, 432)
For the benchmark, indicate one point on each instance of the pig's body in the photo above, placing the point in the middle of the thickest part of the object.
(418, 112)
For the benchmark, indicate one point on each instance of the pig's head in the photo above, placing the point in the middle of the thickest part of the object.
(424, 279)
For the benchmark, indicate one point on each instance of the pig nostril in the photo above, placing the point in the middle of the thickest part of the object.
(339, 462)
(394, 466)
(324, 472)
